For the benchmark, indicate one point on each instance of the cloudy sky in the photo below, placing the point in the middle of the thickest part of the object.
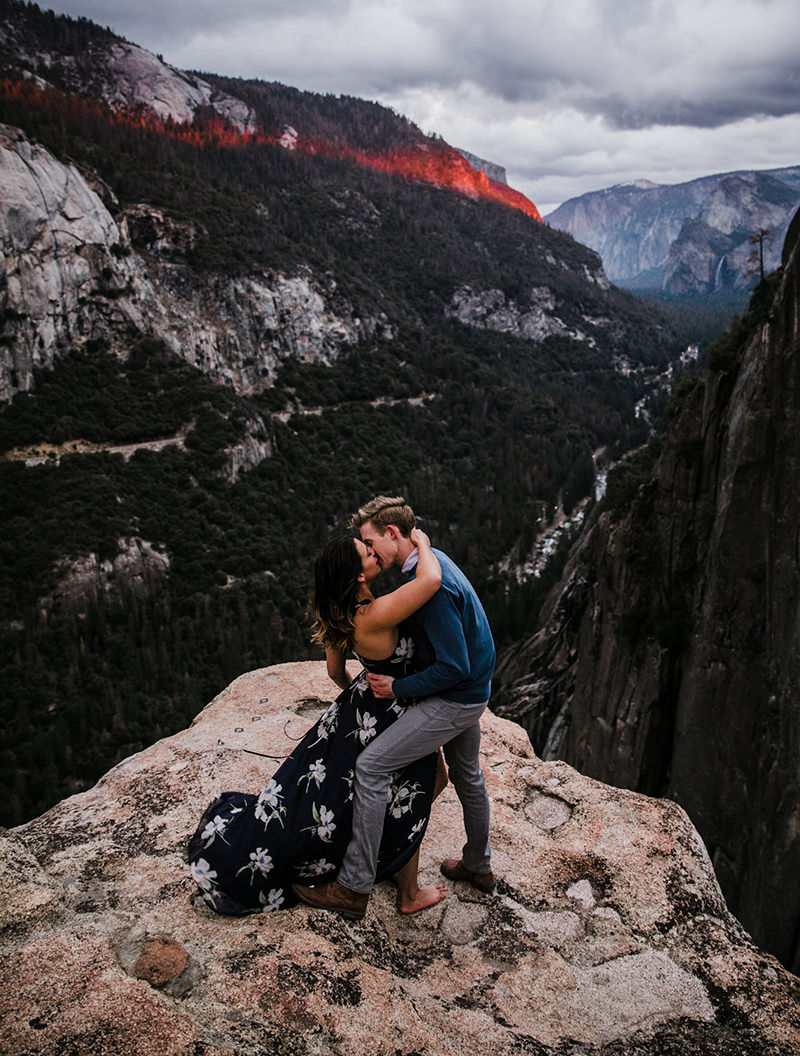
(569, 95)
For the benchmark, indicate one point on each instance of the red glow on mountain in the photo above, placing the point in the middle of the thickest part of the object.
(433, 162)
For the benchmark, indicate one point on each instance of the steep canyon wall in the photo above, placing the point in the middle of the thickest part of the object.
(668, 658)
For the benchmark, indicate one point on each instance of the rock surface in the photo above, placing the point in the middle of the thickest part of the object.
(133, 77)
(492, 169)
(534, 321)
(607, 934)
(70, 272)
(123, 75)
(139, 568)
(713, 249)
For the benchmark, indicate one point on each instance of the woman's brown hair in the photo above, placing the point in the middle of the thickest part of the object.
(336, 573)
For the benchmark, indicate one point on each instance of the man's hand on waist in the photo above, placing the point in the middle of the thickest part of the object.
(381, 686)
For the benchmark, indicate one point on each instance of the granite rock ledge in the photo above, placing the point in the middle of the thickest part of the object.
(607, 936)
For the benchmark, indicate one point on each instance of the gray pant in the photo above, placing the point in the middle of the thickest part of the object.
(422, 729)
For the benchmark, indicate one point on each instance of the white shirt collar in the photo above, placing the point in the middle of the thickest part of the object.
(410, 562)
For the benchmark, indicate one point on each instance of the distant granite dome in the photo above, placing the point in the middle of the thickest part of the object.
(688, 238)
(639, 185)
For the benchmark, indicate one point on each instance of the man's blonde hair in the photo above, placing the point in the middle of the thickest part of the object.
(384, 510)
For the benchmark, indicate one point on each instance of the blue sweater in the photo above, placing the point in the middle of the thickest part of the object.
(458, 631)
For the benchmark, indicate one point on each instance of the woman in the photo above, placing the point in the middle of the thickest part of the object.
(248, 850)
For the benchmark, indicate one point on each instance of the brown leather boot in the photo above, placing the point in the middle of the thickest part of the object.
(335, 896)
(454, 869)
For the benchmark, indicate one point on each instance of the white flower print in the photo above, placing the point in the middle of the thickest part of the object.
(316, 772)
(270, 797)
(270, 793)
(323, 823)
(350, 779)
(327, 724)
(416, 829)
(326, 823)
(397, 805)
(403, 651)
(360, 685)
(318, 868)
(368, 732)
(214, 828)
(203, 874)
(274, 900)
(401, 796)
(365, 729)
(260, 862)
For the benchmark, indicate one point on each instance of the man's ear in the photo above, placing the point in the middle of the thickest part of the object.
(392, 531)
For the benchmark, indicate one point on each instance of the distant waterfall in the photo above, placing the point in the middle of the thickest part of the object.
(718, 273)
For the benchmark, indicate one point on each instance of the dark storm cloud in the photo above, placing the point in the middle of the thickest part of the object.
(634, 62)
(702, 63)
(176, 20)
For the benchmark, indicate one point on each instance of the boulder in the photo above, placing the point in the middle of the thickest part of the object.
(607, 933)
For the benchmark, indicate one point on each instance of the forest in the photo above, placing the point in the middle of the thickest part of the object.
(87, 682)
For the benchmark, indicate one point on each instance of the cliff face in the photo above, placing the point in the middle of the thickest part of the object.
(70, 272)
(713, 250)
(668, 659)
(608, 934)
(687, 238)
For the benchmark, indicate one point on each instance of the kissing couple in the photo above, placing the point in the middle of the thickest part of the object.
(350, 805)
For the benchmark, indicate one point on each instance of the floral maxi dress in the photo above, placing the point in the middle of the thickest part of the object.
(249, 849)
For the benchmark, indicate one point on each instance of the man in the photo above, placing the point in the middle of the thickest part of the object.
(455, 689)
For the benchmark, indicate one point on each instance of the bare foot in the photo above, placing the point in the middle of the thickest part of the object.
(424, 899)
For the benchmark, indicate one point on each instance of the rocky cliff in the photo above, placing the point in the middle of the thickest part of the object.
(607, 936)
(668, 658)
(686, 238)
(492, 169)
(69, 273)
(90, 60)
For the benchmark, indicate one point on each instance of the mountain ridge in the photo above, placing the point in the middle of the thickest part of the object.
(131, 80)
(674, 238)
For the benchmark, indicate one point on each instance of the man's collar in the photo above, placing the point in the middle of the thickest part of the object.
(410, 562)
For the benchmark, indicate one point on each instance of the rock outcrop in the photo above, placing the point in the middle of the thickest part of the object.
(57, 253)
(138, 568)
(714, 251)
(70, 272)
(607, 935)
(492, 169)
(668, 659)
(123, 75)
(492, 310)
(133, 78)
